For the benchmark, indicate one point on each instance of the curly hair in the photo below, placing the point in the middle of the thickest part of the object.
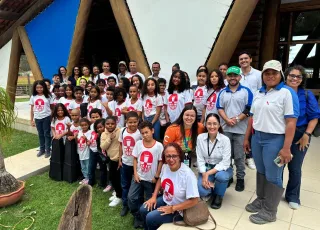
(302, 70)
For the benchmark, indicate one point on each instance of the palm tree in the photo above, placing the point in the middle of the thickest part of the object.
(8, 183)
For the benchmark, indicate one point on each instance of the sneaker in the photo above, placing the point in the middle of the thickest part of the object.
(81, 182)
(240, 185)
(40, 153)
(250, 163)
(114, 193)
(115, 202)
(124, 211)
(294, 205)
(112, 197)
(138, 223)
(47, 154)
(107, 189)
(86, 181)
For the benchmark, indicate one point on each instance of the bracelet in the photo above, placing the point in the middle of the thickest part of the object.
(309, 134)
(155, 177)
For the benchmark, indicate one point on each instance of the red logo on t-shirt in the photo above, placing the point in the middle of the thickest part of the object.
(148, 107)
(66, 105)
(81, 144)
(118, 114)
(75, 131)
(39, 104)
(90, 107)
(94, 137)
(146, 160)
(173, 101)
(168, 189)
(60, 128)
(128, 143)
(130, 108)
(211, 102)
(198, 95)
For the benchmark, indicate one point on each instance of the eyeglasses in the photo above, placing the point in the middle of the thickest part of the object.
(173, 157)
(295, 76)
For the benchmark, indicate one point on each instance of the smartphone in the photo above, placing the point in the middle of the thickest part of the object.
(277, 161)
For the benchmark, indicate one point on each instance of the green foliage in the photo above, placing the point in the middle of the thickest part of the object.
(7, 115)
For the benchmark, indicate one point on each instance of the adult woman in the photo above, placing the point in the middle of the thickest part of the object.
(75, 75)
(106, 72)
(213, 157)
(122, 69)
(275, 109)
(86, 74)
(63, 76)
(95, 74)
(180, 190)
(215, 82)
(307, 121)
(184, 130)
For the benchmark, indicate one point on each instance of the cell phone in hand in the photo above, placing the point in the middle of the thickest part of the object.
(277, 161)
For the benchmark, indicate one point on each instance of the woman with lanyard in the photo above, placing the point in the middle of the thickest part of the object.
(213, 157)
(184, 131)
(308, 119)
(274, 111)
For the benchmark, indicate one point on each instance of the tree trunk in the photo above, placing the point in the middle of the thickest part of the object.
(8, 183)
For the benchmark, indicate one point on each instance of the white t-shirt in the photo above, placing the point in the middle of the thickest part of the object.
(137, 106)
(252, 80)
(74, 105)
(162, 117)
(82, 147)
(96, 105)
(198, 96)
(60, 126)
(129, 76)
(118, 114)
(75, 129)
(176, 103)
(93, 141)
(105, 77)
(210, 102)
(150, 104)
(178, 186)
(112, 106)
(54, 101)
(41, 106)
(104, 98)
(85, 98)
(128, 141)
(148, 159)
(66, 102)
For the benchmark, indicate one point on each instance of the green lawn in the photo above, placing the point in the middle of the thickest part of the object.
(19, 142)
(48, 198)
(22, 99)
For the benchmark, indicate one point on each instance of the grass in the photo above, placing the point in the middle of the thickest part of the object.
(19, 142)
(22, 99)
(23, 80)
(46, 200)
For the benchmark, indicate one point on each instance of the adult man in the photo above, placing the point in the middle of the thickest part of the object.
(233, 106)
(156, 71)
(133, 71)
(223, 69)
(251, 78)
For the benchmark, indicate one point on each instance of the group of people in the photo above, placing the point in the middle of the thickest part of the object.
(151, 132)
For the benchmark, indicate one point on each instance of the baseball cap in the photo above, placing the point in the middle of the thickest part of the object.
(272, 64)
(233, 69)
(123, 63)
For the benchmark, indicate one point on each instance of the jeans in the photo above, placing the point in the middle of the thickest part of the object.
(265, 148)
(85, 168)
(156, 127)
(126, 177)
(135, 191)
(153, 219)
(93, 160)
(294, 166)
(115, 177)
(44, 132)
(237, 153)
(220, 180)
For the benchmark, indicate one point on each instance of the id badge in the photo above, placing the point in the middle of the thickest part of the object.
(208, 167)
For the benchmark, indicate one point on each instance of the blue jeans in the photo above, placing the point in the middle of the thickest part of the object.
(294, 166)
(220, 180)
(265, 148)
(136, 192)
(85, 168)
(94, 159)
(153, 219)
(44, 132)
(156, 127)
(126, 178)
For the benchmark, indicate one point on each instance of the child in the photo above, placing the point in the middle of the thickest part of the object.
(60, 121)
(68, 97)
(94, 101)
(120, 95)
(56, 98)
(47, 82)
(111, 104)
(94, 114)
(83, 83)
(56, 81)
(146, 166)
(110, 143)
(137, 81)
(111, 81)
(164, 117)
(128, 139)
(40, 116)
(78, 94)
(83, 143)
(200, 92)
(152, 104)
(133, 104)
(101, 83)
(75, 125)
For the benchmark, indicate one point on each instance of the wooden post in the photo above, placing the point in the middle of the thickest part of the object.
(268, 45)
(129, 35)
(32, 60)
(78, 34)
(16, 48)
(231, 32)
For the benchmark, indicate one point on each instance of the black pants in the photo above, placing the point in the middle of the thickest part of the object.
(93, 160)
(115, 177)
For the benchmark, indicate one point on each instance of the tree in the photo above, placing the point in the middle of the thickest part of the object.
(8, 183)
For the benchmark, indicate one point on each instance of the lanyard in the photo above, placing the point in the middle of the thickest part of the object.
(215, 143)
(186, 143)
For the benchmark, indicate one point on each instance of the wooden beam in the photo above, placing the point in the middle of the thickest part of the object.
(231, 32)
(129, 35)
(16, 48)
(300, 6)
(31, 57)
(37, 7)
(268, 44)
(10, 16)
(78, 34)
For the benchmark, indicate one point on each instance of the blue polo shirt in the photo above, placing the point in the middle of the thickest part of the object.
(309, 108)
(233, 104)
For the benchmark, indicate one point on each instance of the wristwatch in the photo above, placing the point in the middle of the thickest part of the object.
(309, 134)
(155, 177)
(238, 119)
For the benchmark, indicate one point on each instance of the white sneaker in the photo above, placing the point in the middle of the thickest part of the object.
(251, 164)
(114, 193)
(112, 198)
(115, 202)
